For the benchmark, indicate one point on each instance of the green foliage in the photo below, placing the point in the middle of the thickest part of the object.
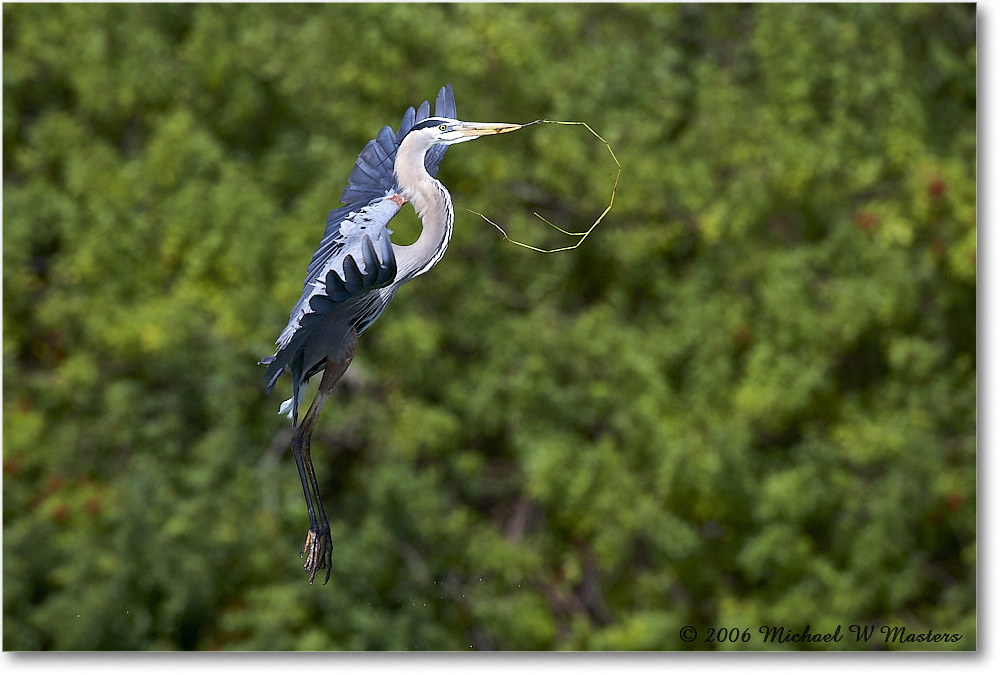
(749, 399)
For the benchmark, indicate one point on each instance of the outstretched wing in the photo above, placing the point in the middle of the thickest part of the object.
(343, 290)
(355, 256)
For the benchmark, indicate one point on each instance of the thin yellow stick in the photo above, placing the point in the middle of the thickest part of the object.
(586, 233)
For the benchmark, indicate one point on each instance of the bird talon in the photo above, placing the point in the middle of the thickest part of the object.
(320, 554)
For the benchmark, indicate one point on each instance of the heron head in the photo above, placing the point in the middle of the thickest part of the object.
(445, 131)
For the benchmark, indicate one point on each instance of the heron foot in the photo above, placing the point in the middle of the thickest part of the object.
(318, 552)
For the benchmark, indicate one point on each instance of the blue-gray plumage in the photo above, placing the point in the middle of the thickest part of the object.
(357, 269)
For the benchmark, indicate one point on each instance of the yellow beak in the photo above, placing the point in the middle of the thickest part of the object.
(476, 129)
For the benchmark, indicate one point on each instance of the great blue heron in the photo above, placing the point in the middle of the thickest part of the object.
(357, 269)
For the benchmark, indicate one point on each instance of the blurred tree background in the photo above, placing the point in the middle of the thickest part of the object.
(748, 399)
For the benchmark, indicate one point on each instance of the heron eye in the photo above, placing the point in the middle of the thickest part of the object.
(443, 127)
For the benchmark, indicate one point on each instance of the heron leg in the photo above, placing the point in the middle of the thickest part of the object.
(318, 548)
(297, 442)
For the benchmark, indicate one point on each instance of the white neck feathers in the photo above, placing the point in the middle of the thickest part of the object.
(432, 203)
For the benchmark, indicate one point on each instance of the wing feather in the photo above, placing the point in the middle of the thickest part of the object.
(444, 106)
(360, 260)
(406, 124)
(354, 281)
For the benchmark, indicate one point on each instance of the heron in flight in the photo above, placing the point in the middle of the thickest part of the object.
(357, 269)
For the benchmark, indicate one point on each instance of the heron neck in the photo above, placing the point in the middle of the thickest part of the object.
(432, 203)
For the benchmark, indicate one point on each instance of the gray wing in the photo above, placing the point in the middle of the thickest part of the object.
(359, 262)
